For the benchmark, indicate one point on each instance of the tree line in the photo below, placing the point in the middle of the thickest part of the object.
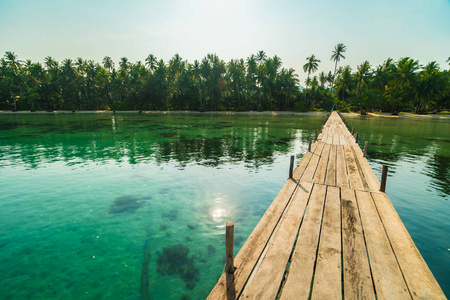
(256, 83)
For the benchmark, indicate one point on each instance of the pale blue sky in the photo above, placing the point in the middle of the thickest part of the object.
(293, 30)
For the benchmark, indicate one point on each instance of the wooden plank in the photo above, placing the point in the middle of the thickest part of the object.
(330, 139)
(369, 176)
(247, 257)
(327, 277)
(312, 165)
(342, 140)
(298, 171)
(355, 148)
(299, 277)
(330, 178)
(357, 278)
(341, 168)
(321, 171)
(350, 139)
(419, 279)
(352, 169)
(388, 279)
(266, 282)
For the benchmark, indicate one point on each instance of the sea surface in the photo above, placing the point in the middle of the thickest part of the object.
(133, 206)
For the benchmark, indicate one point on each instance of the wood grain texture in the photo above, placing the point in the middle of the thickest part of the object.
(327, 277)
(299, 277)
(357, 277)
(267, 280)
(388, 278)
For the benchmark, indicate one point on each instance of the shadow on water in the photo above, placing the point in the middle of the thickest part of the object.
(125, 204)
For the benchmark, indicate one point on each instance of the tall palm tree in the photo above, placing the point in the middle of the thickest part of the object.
(311, 66)
(338, 51)
(261, 56)
(151, 62)
(108, 63)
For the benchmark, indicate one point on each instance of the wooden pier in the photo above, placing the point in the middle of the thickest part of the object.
(329, 234)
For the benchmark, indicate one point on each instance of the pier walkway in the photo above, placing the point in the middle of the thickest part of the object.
(330, 234)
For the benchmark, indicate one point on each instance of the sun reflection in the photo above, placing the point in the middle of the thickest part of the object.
(221, 209)
(218, 214)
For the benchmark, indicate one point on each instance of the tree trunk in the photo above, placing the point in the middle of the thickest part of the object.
(14, 98)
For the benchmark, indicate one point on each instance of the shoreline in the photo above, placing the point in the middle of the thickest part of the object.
(242, 113)
(175, 112)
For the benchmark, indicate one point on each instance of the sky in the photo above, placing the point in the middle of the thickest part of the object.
(290, 29)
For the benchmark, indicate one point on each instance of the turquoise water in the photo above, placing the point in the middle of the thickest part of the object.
(124, 206)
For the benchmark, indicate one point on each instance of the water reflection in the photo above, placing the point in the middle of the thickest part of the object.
(206, 142)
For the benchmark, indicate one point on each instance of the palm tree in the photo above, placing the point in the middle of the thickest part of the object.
(198, 79)
(345, 82)
(261, 56)
(362, 73)
(13, 75)
(151, 62)
(338, 51)
(311, 66)
(322, 79)
(428, 86)
(108, 63)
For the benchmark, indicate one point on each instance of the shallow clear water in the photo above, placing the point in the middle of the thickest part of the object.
(118, 206)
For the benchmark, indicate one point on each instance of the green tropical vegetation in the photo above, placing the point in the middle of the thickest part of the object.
(256, 83)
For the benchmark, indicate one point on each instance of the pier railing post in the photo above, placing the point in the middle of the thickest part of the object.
(366, 143)
(353, 130)
(356, 138)
(309, 144)
(229, 242)
(317, 134)
(291, 167)
(383, 178)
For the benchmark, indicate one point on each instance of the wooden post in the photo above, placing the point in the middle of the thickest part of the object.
(309, 145)
(291, 167)
(229, 243)
(353, 130)
(356, 138)
(366, 143)
(317, 134)
(383, 178)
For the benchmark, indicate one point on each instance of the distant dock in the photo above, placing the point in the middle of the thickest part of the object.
(331, 233)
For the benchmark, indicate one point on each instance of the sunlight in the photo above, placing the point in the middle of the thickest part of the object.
(218, 214)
